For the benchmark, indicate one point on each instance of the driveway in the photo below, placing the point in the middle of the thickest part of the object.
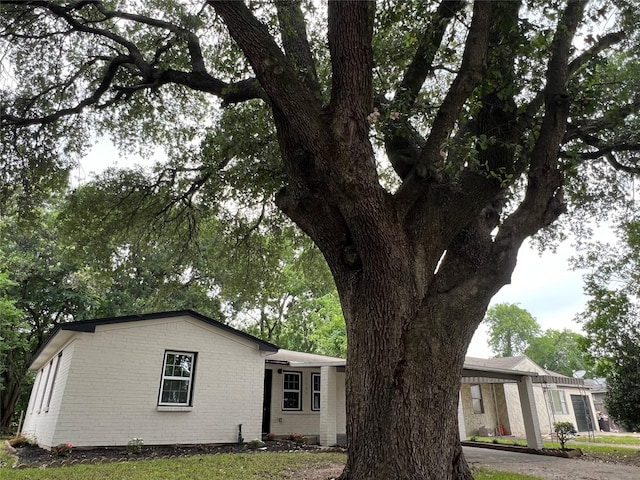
(547, 467)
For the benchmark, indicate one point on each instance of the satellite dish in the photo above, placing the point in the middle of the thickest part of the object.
(579, 373)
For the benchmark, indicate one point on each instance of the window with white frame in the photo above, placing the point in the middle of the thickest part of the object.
(558, 402)
(292, 391)
(476, 399)
(53, 381)
(34, 397)
(177, 378)
(315, 391)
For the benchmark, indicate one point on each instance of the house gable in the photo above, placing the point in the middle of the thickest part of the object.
(65, 332)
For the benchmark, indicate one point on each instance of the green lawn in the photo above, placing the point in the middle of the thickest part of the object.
(488, 474)
(267, 466)
(619, 439)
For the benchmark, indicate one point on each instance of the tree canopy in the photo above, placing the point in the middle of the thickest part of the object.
(612, 320)
(560, 351)
(417, 144)
(511, 329)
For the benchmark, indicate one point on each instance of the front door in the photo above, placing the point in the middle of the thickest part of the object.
(582, 411)
(266, 402)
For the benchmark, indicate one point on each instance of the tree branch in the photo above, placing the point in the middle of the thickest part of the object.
(470, 75)
(422, 63)
(273, 70)
(403, 144)
(602, 44)
(296, 44)
(133, 64)
(7, 119)
(607, 151)
(350, 36)
(543, 202)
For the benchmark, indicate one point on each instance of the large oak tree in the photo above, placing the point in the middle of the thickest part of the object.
(493, 116)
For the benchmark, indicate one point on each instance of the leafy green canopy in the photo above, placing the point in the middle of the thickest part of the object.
(560, 351)
(511, 329)
(612, 321)
(514, 331)
(156, 72)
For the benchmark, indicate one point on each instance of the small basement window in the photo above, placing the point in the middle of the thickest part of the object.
(176, 387)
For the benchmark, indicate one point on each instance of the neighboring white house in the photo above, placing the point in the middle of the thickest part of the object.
(168, 378)
(493, 406)
(182, 378)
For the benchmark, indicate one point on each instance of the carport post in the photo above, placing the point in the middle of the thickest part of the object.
(462, 430)
(529, 412)
(328, 416)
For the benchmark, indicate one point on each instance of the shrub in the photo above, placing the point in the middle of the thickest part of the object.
(270, 436)
(20, 441)
(135, 445)
(62, 450)
(256, 443)
(565, 432)
(297, 438)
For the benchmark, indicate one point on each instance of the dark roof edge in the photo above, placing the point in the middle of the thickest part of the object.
(90, 326)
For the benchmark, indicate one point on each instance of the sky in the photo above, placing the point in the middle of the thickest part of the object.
(544, 285)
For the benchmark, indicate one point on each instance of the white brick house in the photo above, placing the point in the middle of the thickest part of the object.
(182, 378)
(173, 377)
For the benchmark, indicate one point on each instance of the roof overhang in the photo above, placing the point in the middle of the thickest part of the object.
(495, 373)
(567, 381)
(64, 332)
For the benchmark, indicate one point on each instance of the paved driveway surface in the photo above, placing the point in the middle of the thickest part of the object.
(550, 468)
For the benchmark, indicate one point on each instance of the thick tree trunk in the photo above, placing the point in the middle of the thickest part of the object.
(403, 383)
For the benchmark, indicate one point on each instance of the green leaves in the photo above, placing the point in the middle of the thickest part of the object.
(511, 328)
(559, 351)
(612, 321)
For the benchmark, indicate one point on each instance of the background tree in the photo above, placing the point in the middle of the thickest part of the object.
(11, 339)
(612, 321)
(47, 288)
(560, 351)
(511, 329)
(495, 118)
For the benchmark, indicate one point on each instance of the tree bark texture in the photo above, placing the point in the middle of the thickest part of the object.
(415, 270)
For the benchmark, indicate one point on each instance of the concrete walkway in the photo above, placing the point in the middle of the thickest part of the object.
(547, 467)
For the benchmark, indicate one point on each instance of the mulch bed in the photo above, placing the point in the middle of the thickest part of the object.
(553, 452)
(29, 456)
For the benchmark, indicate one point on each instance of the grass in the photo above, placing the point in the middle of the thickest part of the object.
(213, 467)
(267, 466)
(619, 439)
(489, 474)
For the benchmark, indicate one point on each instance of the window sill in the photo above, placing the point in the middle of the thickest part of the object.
(168, 408)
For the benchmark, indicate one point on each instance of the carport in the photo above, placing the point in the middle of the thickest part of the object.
(476, 374)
